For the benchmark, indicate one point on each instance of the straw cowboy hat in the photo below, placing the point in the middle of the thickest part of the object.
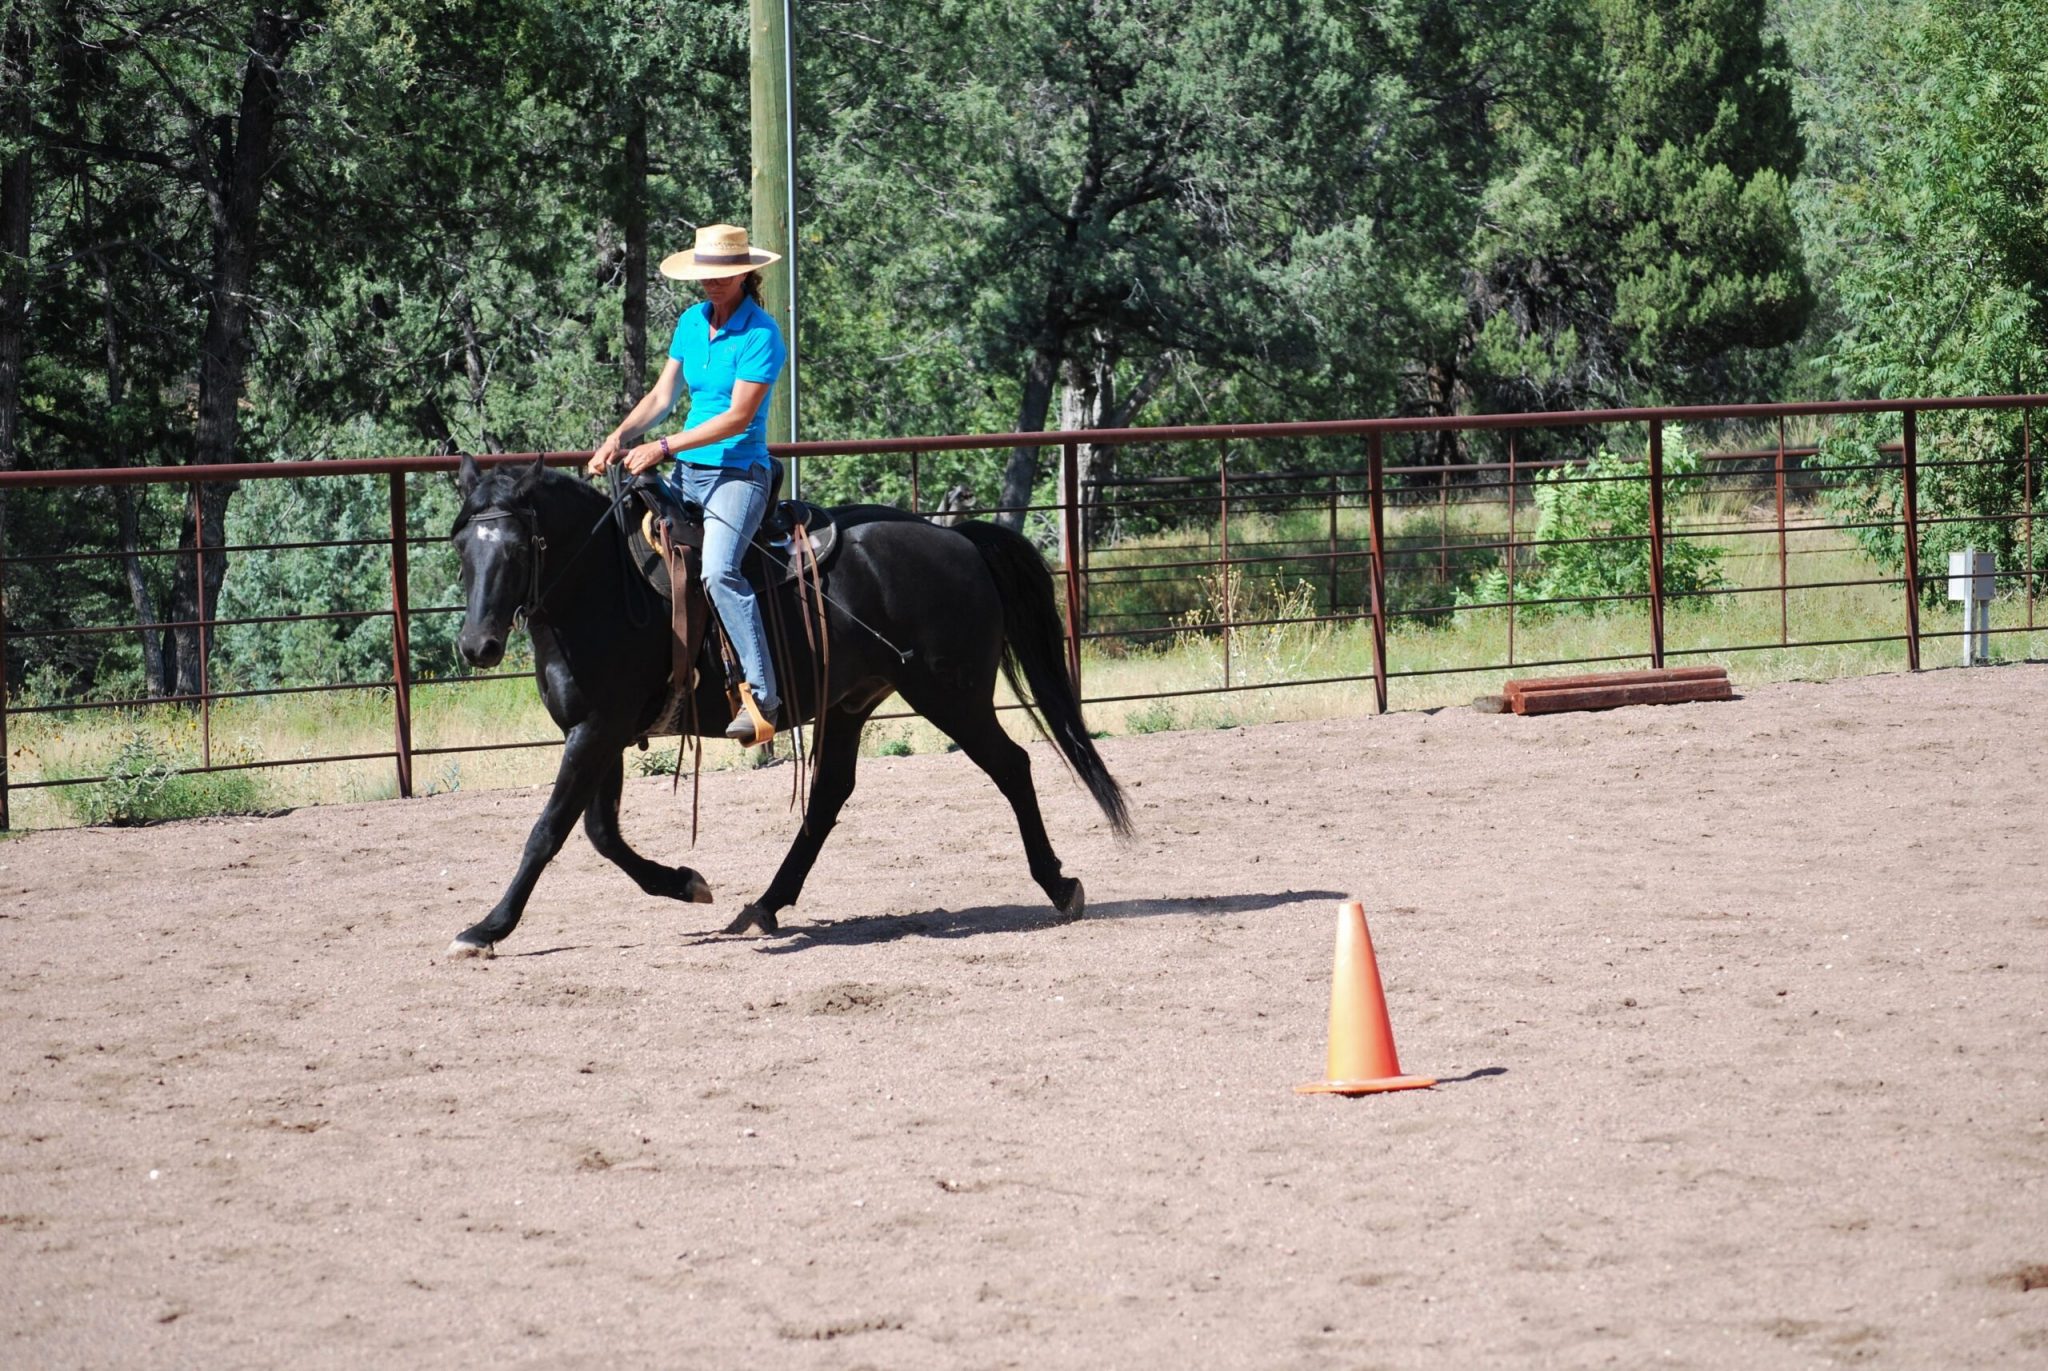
(722, 250)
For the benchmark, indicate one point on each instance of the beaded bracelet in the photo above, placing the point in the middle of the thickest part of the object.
(664, 447)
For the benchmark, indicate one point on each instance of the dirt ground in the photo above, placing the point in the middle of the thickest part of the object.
(1739, 1010)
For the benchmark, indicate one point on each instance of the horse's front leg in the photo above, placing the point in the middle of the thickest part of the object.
(601, 824)
(830, 786)
(576, 781)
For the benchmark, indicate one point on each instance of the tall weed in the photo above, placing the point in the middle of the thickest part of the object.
(1271, 643)
(143, 785)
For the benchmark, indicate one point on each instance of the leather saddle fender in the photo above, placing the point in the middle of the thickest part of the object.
(774, 558)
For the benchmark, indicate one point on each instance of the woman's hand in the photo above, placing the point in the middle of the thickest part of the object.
(607, 453)
(644, 458)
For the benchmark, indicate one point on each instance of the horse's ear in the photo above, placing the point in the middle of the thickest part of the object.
(530, 477)
(467, 476)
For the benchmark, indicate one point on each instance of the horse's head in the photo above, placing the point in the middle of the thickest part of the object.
(497, 536)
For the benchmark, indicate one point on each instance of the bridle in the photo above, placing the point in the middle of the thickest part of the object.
(526, 520)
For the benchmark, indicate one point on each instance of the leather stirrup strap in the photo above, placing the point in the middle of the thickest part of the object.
(785, 672)
(678, 613)
(687, 614)
(764, 731)
(731, 662)
(689, 650)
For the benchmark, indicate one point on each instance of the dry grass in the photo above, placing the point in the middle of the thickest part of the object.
(1470, 653)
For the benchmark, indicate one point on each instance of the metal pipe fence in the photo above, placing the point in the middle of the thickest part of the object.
(1392, 550)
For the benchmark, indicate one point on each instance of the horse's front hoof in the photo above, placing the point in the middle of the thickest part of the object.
(696, 890)
(460, 950)
(753, 922)
(1076, 903)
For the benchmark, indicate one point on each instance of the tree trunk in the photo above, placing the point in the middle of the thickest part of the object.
(1082, 399)
(1105, 409)
(245, 154)
(1440, 399)
(154, 681)
(16, 184)
(479, 375)
(633, 219)
(1020, 473)
(195, 575)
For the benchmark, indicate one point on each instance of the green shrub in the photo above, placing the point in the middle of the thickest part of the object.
(657, 761)
(142, 786)
(1156, 717)
(1972, 478)
(335, 580)
(1593, 533)
(895, 747)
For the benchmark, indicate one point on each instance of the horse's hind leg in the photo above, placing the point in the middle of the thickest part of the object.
(830, 785)
(601, 825)
(972, 723)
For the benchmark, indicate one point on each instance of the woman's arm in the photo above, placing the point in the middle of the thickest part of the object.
(652, 407)
(746, 402)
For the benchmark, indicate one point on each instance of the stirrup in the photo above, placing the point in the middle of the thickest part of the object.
(750, 727)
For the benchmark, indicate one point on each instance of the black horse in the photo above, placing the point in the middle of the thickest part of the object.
(913, 609)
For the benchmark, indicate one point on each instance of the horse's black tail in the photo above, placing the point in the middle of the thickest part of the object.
(1033, 648)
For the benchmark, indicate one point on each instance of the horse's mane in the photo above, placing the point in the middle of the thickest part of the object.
(525, 485)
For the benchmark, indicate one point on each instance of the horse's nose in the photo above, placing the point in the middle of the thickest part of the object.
(485, 651)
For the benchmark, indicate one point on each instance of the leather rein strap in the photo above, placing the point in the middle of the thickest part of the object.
(821, 650)
(808, 580)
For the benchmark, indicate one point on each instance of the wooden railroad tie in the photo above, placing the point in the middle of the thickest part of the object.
(1609, 690)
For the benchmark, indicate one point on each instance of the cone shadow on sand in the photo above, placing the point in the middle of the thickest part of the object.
(1362, 1060)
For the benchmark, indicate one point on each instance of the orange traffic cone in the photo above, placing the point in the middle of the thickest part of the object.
(1362, 1057)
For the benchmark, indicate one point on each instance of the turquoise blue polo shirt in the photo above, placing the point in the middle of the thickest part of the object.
(748, 348)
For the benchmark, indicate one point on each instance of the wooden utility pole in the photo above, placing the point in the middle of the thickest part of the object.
(774, 182)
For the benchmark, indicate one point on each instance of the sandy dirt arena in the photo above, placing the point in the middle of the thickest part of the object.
(1741, 1010)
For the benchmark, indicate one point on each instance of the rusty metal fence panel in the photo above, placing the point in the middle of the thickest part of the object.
(1231, 563)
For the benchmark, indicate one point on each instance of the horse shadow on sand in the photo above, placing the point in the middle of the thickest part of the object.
(868, 929)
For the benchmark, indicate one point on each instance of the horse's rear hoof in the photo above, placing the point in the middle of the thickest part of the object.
(753, 922)
(1076, 903)
(462, 951)
(696, 890)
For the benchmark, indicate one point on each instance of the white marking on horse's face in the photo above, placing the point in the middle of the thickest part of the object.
(485, 533)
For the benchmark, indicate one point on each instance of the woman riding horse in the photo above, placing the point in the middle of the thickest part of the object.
(728, 351)
(905, 608)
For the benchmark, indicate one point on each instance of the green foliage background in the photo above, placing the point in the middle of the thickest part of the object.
(1939, 244)
(1014, 213)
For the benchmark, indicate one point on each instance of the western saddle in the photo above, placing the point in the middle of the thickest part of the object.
(795, 541)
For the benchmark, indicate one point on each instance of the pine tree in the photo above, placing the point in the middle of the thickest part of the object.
(1642, 250)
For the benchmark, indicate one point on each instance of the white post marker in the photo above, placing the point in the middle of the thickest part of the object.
(1971, 581)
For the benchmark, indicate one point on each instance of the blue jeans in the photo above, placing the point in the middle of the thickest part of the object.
(734, 501)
